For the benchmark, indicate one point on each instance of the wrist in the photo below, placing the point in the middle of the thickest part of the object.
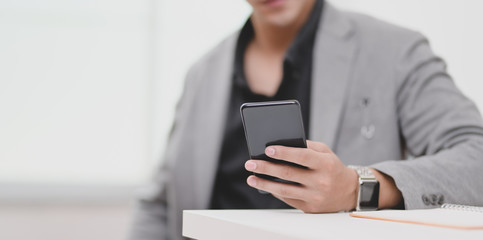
(389, 194)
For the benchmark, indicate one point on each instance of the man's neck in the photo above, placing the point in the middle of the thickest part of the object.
(275, 39)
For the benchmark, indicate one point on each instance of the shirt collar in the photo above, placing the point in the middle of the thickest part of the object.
(246, 35)
(304, 41)
(300, 48)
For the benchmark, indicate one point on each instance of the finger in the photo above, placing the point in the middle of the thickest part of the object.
(276, 188)
(282, 171)
(302, 156)
(318, 146)
(295, 203)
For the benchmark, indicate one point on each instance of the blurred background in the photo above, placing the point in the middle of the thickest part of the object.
(88, 90)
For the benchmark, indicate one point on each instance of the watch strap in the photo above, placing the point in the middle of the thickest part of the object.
(368, 193)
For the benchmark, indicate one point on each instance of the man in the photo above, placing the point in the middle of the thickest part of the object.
(371, 94)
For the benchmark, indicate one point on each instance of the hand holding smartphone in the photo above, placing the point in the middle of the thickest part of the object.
(273, 123)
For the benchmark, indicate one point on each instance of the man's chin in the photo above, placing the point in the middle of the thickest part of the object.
(279, 19)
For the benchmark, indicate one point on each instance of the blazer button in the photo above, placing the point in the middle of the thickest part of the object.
(440, 199)
(434, 199)
(368, 131)
(426, 199)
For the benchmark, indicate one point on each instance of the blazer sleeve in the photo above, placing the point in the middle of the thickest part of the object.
(151, 211)
(442, 131)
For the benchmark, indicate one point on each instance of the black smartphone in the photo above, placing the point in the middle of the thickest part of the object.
(273, 123)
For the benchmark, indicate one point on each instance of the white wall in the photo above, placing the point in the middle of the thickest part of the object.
(74, 106)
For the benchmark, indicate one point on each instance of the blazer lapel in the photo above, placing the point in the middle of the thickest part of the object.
(214, 103)
(333, 54)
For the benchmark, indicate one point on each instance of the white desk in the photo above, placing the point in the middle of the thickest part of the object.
(293, 224)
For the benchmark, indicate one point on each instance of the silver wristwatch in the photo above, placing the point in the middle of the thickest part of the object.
(368, 194)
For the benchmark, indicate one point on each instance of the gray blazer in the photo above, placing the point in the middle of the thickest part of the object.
(380, 98)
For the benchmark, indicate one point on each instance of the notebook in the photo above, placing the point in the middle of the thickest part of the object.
(448, 215)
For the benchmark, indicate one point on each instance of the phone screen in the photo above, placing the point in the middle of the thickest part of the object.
(272, 123)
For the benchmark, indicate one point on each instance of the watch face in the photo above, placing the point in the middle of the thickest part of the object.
(369, 198)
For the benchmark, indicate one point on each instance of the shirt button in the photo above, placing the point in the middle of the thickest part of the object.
(368, 131)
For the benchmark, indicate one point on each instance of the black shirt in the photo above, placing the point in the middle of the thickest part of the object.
(231, 190)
